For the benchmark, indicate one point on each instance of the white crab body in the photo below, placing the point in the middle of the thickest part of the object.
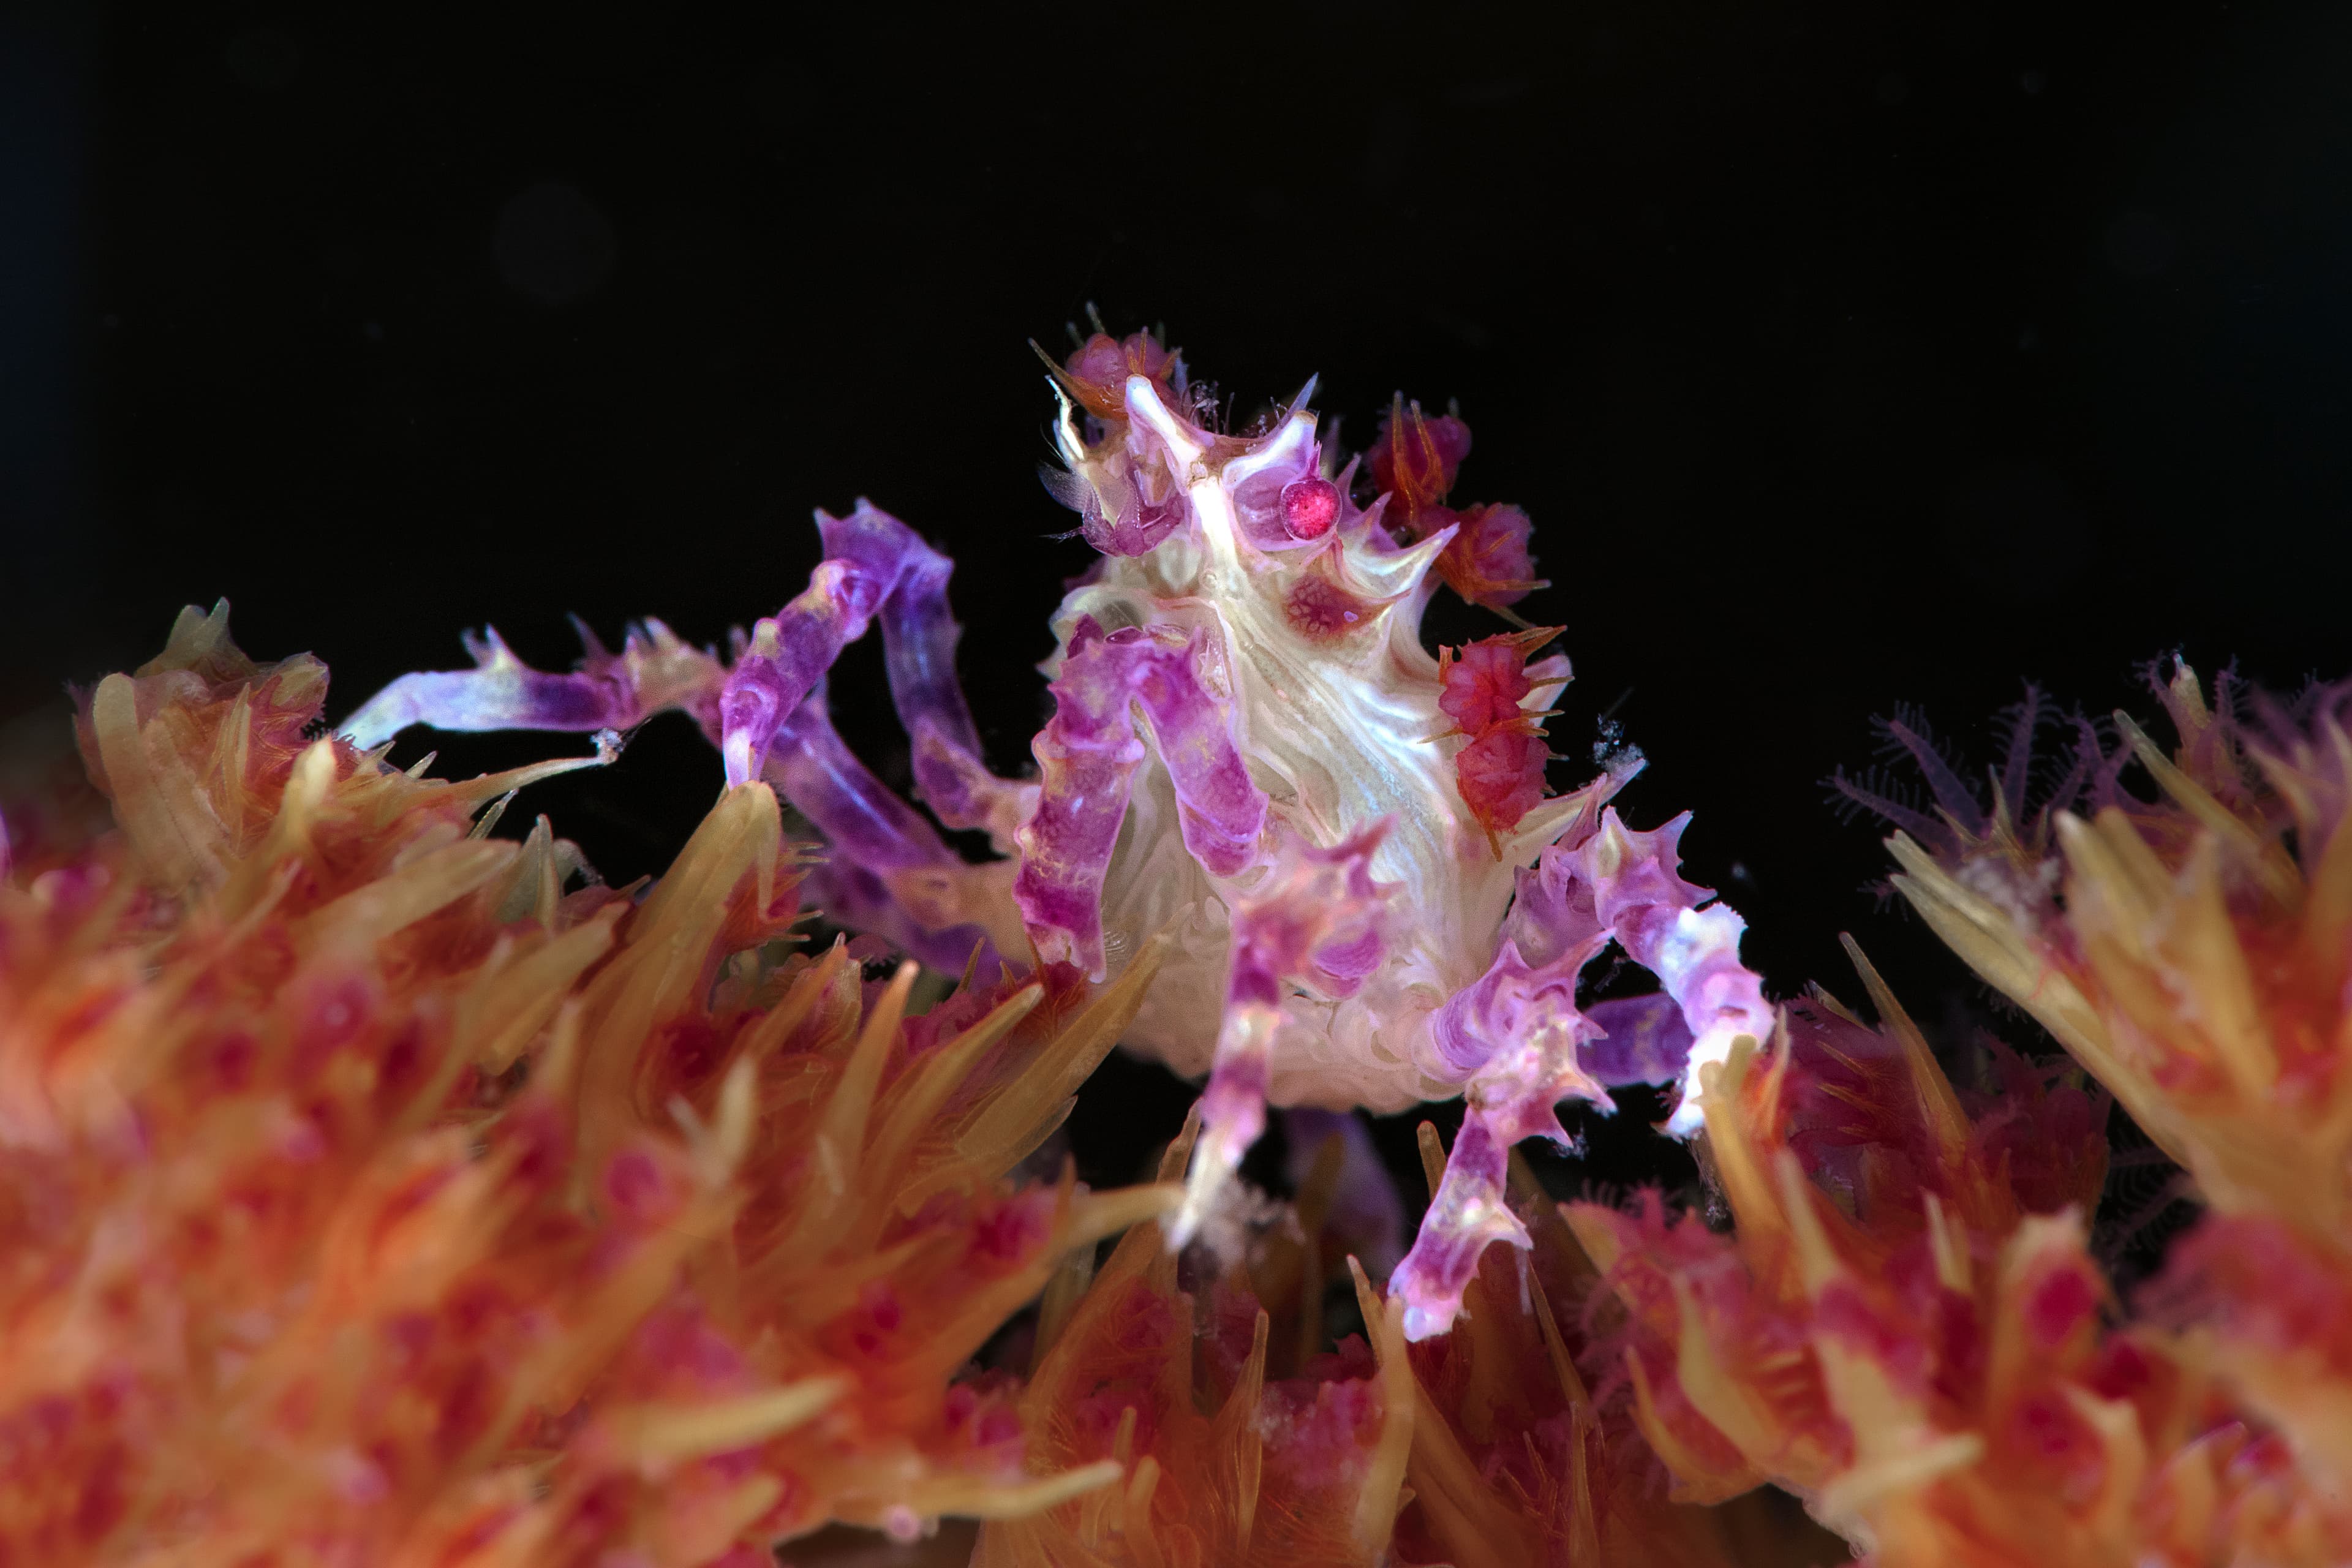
(1316, 648)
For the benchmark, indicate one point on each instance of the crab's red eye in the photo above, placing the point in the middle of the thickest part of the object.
(1310, 508)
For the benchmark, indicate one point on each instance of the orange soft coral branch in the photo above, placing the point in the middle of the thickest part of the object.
(367, 1196)
(2200, 966)
(1214, 1464)
(1236, 1444)
(2197, 967)
(2267, 1313)
(1511, 1462)
(1916, 1349)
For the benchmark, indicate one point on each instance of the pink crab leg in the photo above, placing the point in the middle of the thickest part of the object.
(1316, 920)
(1616, 883)
(1516, 1032)
(1089, 751)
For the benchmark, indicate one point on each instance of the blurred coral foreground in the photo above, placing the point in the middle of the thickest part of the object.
(372, 1198)
(376, 1190)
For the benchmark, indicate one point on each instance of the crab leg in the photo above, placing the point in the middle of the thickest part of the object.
(1695, 953)
(889, 873)
(870, 556)
(875, 567)
(1089, 751)
(1519, 1029)
(1318, 920)
(767, 717)
(919, 643)
(653, 671)
(858, 812)
(1516, 1031)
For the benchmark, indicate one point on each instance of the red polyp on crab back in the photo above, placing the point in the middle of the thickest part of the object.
(1501, 776)
(1488, 562)
(1500, 772)
(1097, 373)
(1482, 684)
(1416, 459)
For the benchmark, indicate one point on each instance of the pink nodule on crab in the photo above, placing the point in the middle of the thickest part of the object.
(1368, 898)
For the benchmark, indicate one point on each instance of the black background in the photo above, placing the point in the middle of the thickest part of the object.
(1845, 354)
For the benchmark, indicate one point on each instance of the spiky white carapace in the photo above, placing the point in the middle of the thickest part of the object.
(1311, 647)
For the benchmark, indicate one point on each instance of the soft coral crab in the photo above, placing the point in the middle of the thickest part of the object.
(1308, 814)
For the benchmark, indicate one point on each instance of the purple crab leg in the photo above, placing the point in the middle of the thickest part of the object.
(789, 651)
(1470, 1210)
(653, 671)
(1644, 1039)
(876, 840)
(957, 785)
(875, 567)
(1365, 1210)
(919, 643)
(1615, 883)
(864, 901)
(1516, 1032)
(1089, 751)
(859, 816)
(767, 715)
(1318, 920)
(1656, 918)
